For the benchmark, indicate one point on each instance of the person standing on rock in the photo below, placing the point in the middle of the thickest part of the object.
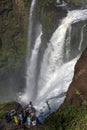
(20, 116)
(16, 120)
(30, 104)
(28, 120)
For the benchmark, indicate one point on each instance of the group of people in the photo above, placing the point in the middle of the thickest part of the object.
(25, 117)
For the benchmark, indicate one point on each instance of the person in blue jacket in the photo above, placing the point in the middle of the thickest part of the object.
(20, 116)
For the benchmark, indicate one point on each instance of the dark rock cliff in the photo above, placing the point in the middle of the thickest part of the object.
(77, 93)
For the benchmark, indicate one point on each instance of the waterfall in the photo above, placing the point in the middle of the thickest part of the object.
(31, 61)
(53, 57)
(55, 74)
(31, 71)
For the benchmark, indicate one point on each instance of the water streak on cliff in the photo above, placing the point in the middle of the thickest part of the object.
(82, 30)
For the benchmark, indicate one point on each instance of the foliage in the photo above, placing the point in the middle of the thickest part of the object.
(48, 22)
(42, 4)
(68, 118)
(13, 38)
(84, 101)
(27, 3)
(78, 2)
(3, 110)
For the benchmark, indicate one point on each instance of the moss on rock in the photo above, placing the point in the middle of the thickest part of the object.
(48, 23)
(43, 4)
(13, 33)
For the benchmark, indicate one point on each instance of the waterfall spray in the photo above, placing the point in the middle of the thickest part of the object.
(31, 70)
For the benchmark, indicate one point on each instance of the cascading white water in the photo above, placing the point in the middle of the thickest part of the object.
(55, 75)
(31, 61)
(28, 60)
(81, 37)
(31, 70)
(60, 3)
(53, 57)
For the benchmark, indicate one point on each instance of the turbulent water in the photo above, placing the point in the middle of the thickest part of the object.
(56, 69)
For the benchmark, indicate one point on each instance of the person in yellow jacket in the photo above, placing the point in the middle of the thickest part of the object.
(16, 119)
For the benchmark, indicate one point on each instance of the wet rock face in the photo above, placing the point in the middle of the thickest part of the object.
(77, 93)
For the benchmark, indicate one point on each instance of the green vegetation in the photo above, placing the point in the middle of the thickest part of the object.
(49, 16)
(48, 22)
(42, 4)
(77, 2)
(27, 3)
(13, 36)
(3, 109)
(68, 118)
(46, 2)
(13, 47)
